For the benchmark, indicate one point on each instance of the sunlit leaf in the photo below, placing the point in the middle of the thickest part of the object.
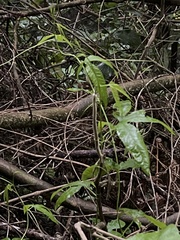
(62, 39)
(26, 208)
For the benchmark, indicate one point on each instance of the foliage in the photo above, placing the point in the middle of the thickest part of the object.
(169, 233)
(51, 54)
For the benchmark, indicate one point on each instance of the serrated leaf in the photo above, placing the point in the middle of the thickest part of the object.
(134, 143)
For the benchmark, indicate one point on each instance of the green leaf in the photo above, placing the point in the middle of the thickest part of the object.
(75, 89)
(26, 208)
(153, 120)
(115, 224)
(90, 172)
(134, 143)
(156, 222)
(93, 58)
(169, 233)
(54, 38)
(136, 116)
(102, 124)
(46, 211)
(123, 107)
(136, 214)
(62, 39)
(85, 184)
(98, 81)
(72, 188)
(66, 194)
(79, 69)
(41, 208)
(129, 163)
(8, 188)
(117, 88)
(116, 234)
(45, 39)
(139, 116)
(110, 165)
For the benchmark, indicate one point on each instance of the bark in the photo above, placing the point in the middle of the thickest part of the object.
(12, 120)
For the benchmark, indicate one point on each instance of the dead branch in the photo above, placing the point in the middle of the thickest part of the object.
(78, 109)
(17, 175)
(8, 14)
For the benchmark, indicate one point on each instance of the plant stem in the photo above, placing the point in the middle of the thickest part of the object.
(101, 159)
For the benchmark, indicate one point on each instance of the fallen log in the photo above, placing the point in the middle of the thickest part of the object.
(23, 119)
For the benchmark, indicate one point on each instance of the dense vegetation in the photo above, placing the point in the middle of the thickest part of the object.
(89, 119)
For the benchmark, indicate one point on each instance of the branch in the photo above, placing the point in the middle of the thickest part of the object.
(24, 119)
(17, 175)
(7, 14)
